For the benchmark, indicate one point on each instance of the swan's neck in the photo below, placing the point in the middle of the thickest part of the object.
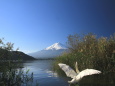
(76, 67)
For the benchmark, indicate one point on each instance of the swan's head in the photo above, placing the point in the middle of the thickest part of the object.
(76, 64)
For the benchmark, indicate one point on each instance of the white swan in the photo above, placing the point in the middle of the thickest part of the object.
(76, 77)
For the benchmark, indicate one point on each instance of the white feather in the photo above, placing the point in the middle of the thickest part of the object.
(77, 76)
(86, 72)
(68, 70)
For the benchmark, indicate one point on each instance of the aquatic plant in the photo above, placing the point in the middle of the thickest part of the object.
(12, 73)
(89, 51)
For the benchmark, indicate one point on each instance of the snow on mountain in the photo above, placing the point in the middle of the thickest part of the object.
(50, 52)
(56, 46)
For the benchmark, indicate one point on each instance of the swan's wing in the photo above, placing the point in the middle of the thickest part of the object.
(87, 72)
(68, 70)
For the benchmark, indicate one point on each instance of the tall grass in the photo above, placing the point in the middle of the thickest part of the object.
(11, 74)
(90, 52)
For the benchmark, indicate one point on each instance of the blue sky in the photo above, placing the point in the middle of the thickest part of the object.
(33, 25)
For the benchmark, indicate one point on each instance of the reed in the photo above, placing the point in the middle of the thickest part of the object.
(90, 51)
(11, 72)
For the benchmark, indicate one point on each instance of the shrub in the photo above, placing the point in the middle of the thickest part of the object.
(90, 52)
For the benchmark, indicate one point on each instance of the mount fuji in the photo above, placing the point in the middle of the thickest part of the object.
(50, 52)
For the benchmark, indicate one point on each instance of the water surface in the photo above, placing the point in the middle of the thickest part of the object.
(44, 75)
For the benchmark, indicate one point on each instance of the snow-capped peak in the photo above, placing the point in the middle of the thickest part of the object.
(56, 46)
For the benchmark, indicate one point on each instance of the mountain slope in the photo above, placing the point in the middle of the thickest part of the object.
(14, 55)
(50, 52)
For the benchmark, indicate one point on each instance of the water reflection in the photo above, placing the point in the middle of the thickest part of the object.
(44, 75)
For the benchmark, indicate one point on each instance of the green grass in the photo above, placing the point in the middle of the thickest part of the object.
(90, 52)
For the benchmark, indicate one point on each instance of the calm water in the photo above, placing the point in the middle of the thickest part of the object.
(44, 75)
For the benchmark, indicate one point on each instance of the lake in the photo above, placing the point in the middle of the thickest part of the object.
(45, 76)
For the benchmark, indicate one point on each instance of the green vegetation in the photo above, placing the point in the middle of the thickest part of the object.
(11, 73)
(7, 53)
(90, 52)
